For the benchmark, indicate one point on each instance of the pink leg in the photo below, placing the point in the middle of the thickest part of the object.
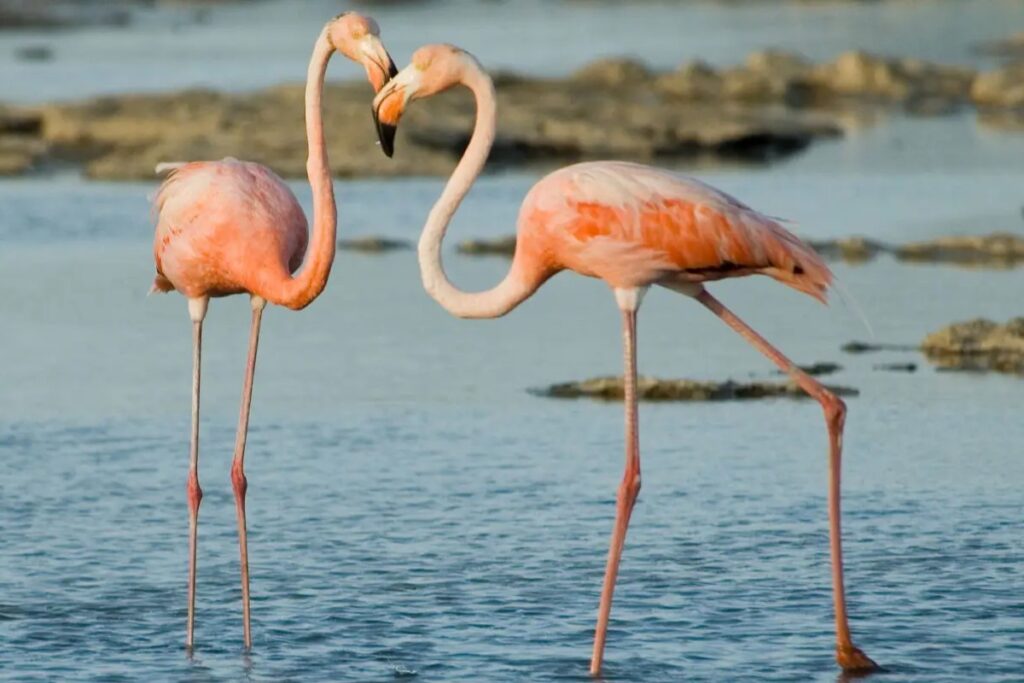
(849, 657)
(628, 490)
(238, 465)
(197, 311)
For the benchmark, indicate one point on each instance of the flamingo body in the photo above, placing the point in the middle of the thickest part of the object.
(233, 227)
(635, 226)
(632, 226)
(226, 227)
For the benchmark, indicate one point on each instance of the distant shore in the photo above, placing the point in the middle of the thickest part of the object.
(773, 105)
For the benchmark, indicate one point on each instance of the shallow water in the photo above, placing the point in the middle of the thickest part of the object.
(251, 45)
(415, 512)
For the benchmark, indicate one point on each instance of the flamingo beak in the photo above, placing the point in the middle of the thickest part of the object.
(379, 66)
(388, 107)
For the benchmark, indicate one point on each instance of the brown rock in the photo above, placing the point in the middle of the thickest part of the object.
(978, 345)
(694, 81)
(651, 389)
(1000, 88)
(849, 249)
(500, 246)
(372, 244)
(997, 250)
(614, 72)
(866, 75)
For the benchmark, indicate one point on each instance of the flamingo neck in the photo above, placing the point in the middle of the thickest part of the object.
(299, 291)
(515, 288)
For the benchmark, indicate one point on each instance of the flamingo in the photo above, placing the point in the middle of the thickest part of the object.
(232, 227)
(632, 226)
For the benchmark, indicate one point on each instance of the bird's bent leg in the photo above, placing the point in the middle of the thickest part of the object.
(628, 489)
(238, 480)
(197, 312)
(849, 657)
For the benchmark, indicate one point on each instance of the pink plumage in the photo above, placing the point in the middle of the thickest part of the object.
(226, 227)
(233, 227)
(632, 226)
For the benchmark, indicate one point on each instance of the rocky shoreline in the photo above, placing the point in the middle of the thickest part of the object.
(652, 389)
(978, 345)
(995, 250)
(773, 105)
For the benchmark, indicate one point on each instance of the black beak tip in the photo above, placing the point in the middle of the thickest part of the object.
(392, 70)
(386, 135)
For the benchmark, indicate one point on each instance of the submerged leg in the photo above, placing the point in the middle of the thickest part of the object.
(630, 486)
(238, 464)
(849, 657)
(197, 312)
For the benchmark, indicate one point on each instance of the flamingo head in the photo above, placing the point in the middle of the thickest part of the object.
(358, 38)
(433, 69)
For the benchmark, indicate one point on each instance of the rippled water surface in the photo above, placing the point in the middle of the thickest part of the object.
(414, 512)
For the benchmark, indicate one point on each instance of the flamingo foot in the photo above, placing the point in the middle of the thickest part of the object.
(853, 660)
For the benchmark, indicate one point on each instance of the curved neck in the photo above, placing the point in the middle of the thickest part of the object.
(298, 291)
(515, 287)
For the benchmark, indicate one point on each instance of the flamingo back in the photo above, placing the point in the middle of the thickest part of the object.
(224, 227)
(634, 225)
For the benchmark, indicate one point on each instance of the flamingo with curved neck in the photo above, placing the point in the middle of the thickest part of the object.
(232, 227)
(632, 226)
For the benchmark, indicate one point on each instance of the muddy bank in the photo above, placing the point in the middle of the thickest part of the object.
(978, 345)
(996, 250)
(652, 389)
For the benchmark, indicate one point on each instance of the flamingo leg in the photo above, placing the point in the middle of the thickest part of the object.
(238, 479)
(628, 489)
(197, 312)
(849, 657)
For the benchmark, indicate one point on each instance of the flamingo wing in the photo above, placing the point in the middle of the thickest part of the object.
(642, 225)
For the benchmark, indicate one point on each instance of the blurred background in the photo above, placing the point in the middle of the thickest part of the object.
(415, 511)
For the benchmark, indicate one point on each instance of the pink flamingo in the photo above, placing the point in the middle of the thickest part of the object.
(632, 226)
(231, 227)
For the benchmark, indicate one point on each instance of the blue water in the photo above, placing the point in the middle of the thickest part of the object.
(415, 512)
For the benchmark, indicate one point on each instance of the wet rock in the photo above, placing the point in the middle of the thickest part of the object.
(371, 244)
(817, 369)
(15, 121)
(871, 347)
(499, 246)
(20, 146)
(1000, 88)
(1002, 120)
(849, 249)
(652, 389)
(18, 156)
(996, 250)
(34, 53)
(896, 367)
(978, 345)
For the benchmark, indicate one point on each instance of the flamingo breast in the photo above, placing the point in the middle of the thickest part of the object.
(223, 227)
